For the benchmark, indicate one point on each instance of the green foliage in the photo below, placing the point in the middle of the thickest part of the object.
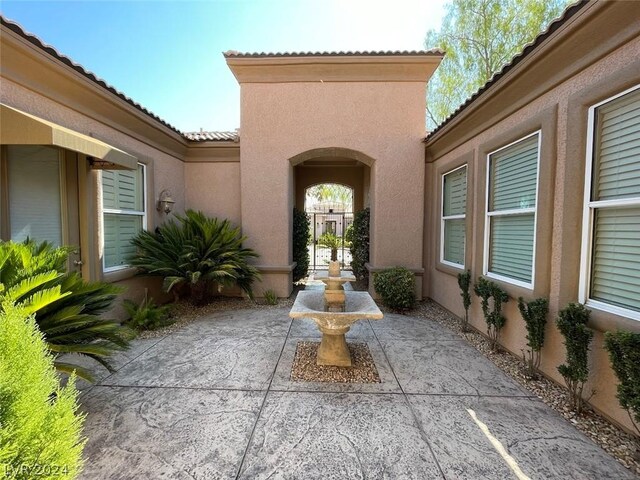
(40, 427)
(270, 297)
(624, 353)
(464, 282)
(301, 239)
(359, 241)
(571, 322)
(68, 310)
(332, 193)
(146, 315)
(332, 241)
(193, 252)
(489, 291)
(534, 314)
(479, 37)
(397, 288)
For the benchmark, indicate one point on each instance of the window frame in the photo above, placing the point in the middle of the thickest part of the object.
(588, 215)
(504, 213)
(117, 211)
(444, 218)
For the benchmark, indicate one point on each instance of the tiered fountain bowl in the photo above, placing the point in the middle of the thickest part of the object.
(334, 311)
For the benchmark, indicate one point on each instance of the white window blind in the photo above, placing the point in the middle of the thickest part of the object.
(613, 207)
(123, 205)
(35, 199)
(511, 211)
(454, 205)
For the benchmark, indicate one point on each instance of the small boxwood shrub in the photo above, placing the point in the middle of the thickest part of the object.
(40, 427)
(464, 282)
(624, 352)
(397, 288)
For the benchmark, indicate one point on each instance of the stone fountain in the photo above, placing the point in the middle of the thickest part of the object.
(334, 311)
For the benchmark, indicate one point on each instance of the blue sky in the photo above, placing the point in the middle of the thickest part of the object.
(167, 55)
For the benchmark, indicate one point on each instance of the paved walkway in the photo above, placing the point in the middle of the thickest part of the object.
(214, 400)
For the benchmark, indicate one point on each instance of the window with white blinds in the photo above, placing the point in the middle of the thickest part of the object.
(611, 242)
(35, 194)
(512, 185)
(454, 206)
(123, 207)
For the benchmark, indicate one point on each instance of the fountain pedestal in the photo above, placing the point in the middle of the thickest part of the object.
(334, 324)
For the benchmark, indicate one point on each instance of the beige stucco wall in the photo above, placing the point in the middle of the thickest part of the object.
(561, 114)
(214, 188)
(383, 120)
(164, 171)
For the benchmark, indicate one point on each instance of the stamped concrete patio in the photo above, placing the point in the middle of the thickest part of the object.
(214, 400)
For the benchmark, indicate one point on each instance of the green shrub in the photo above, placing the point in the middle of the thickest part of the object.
(192, 253)
(624, 352)
(40, 427)
(146, 315)
(397, 288)
(271, 297)
(301, 239)
(464, 282)
(571, 322)
(332, 241)
(359, 241)
(487, 291)
(534, 314)
(67, 309)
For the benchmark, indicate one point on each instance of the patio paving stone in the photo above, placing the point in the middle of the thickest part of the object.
(402, 327)
(268, 323)
(149, 433)
(204, 361)
(320, 435)
(542, 443)
(205, 403)
(448, 367)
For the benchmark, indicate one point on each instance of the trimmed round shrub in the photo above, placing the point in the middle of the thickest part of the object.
(397, 288)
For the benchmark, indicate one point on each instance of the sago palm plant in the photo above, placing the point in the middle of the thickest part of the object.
(194, 252)
(67, 309)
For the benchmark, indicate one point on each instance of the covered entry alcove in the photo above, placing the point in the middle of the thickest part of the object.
(332, 109)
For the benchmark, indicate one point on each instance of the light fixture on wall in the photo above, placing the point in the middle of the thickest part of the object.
(165, 202)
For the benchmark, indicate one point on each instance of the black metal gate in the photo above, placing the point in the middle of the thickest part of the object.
(328, 231)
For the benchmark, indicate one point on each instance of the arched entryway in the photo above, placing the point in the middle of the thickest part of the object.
(331, 185)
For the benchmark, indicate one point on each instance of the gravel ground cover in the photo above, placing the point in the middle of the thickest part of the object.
(621, 445)
(305, 369)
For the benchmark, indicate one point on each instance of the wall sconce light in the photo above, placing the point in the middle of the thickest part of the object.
(165, 202)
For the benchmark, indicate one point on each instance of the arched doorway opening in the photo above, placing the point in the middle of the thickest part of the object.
(331, 185)
(329, 207)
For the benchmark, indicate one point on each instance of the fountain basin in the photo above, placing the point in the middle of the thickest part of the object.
(334, 325)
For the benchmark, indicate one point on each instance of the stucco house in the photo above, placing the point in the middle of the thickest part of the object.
(533, 182)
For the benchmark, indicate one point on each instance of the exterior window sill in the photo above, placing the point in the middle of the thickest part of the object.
(119, 275)
(449, 269)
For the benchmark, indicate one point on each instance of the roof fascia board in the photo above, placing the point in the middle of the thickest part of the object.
(49, 77)
(350, 68)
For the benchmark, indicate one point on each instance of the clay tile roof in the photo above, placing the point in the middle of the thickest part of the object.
(16, 28)
(528, 49)
(212, 136)
(395, 53)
